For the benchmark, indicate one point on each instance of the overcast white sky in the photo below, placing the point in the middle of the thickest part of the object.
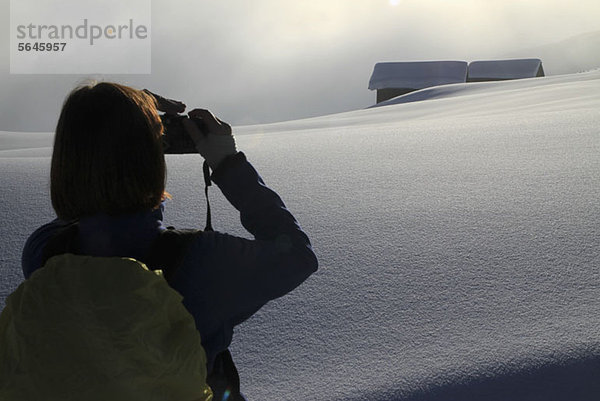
(272, 60)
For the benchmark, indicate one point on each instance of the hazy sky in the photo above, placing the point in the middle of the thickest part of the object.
(271, 60)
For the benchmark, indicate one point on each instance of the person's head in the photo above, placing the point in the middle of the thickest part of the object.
(108, 155)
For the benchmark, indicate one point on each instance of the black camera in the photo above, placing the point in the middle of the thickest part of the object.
(175, 138)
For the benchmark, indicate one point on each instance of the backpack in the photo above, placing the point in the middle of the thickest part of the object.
(99, 328)
(166, 254)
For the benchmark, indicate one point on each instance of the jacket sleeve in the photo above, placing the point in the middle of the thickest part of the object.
(237, 276)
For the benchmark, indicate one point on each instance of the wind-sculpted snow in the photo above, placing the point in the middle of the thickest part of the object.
(458, 239)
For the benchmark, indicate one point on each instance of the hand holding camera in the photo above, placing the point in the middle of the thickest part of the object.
(212, 137)
(200, 131)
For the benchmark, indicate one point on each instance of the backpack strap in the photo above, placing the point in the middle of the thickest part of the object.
(169, 250)
(166, 253)
(64, 241)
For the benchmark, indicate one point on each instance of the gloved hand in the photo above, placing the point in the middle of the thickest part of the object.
(215, 142)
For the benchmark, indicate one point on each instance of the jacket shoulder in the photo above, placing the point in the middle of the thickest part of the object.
(32, 256)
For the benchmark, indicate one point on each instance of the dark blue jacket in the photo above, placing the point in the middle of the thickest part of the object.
(224, 279)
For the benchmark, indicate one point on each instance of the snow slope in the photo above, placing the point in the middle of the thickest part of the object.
(458, 238)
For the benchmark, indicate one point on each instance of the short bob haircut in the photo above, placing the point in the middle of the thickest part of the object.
(108, 156)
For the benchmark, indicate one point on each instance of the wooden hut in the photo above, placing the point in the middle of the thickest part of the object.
(398, 78)
(500, 70)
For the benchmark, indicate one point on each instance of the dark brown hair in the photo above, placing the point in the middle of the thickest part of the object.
(108, 155)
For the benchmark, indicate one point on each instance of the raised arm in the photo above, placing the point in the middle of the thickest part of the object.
(236, 276)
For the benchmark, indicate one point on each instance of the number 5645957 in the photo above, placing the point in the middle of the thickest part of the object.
(41, 46)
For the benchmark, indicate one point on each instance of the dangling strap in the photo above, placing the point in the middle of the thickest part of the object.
(224, 379)
(207, 184)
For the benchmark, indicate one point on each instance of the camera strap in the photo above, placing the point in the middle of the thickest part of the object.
(207, 183)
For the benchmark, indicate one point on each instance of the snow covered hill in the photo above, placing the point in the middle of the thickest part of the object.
(458, 239)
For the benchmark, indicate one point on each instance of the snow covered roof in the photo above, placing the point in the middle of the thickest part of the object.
(505, 69)
(417, 74)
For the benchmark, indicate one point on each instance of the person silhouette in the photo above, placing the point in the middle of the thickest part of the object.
(108, 175)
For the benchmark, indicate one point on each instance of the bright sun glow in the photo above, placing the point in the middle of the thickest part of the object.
(395, 2)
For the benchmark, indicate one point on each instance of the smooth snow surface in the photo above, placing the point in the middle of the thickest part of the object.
(417, 74)
(458, 239)
(504, 69)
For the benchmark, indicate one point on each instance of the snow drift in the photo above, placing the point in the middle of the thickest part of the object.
(458, 238)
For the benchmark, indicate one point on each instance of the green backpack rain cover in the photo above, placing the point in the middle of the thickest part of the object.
(92, 328)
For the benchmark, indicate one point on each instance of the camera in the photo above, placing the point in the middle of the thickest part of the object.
(175, 138)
